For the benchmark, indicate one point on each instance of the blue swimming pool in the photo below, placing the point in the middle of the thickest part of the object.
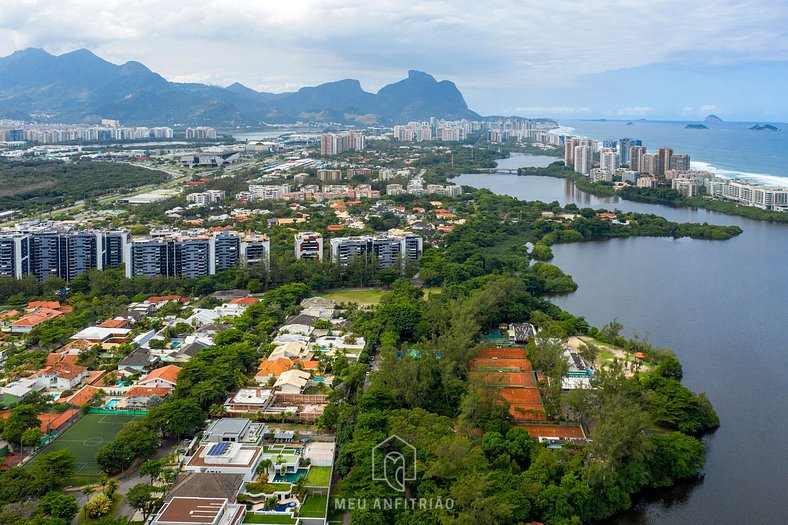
(285, 507)
(318, 379)
(291, 477)
(112, 403)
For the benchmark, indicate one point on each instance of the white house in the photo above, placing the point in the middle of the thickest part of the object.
(292, 382)
(62, 376)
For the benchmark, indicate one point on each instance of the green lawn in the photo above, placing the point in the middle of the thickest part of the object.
(366, 297)
(265, 519)
(84, 439)
(318, 477)
(314, 507)
(361, 297)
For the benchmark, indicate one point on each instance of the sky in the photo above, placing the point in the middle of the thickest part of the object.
(617, 59)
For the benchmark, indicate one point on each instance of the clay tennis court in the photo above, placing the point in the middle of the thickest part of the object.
(521, 395)
(495, 363)
(527, 379)
(527, 411)
(510, 353)
(555, 431)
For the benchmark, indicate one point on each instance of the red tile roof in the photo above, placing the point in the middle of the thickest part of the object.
(63, 370)
(81, 396)
(147, 391)
(167, 373)
(244, 300)
(115, 323)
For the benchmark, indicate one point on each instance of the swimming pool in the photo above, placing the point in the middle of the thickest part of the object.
(112, 403)
(291, 477)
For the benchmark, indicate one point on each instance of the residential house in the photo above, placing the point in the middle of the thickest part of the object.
(62, 376)
(292, 382)
(144, 396)
(164, 377)
(200, 511)
(138, 360)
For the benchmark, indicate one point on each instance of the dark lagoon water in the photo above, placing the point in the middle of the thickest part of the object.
(723, 307)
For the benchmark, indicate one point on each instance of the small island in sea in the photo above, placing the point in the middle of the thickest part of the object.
(712, 119)
(696, 126)
(764, 127)
(630, 123)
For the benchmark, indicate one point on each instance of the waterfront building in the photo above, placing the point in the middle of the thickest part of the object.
(663, 162)
(624, 146)
(583, 158)
(636, 154)
(687, 187)
(608, 160)
(601, 175)
(680, 162)
(569, 151)
(764, 197)
(646, 182)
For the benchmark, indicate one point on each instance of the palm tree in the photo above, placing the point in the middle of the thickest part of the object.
(111, 486)
(87, 490)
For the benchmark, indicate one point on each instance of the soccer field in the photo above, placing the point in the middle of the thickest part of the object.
(84, 438)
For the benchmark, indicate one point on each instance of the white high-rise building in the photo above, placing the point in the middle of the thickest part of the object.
(608, 160)
(583, 158)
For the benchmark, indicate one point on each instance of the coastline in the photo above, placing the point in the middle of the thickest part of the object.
(725, 166)
(663, 196)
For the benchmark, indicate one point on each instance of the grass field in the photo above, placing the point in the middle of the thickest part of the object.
(318, 477)
(366, 297)
(85, 438)
(314, 507)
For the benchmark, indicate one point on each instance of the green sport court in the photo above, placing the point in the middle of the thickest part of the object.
(85, 437)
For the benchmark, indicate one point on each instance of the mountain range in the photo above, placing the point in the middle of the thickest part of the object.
(82, 87)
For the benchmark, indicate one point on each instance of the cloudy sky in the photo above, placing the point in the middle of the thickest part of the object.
(668, 59)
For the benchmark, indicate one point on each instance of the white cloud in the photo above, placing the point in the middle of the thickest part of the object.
(552, 110)
(482, 46)
(635, 111)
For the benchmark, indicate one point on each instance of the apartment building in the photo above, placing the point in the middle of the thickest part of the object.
(309, 245)
(386, 248)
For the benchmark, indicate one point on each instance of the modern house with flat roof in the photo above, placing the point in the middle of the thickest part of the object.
(234, 430)
(225, 457)
(199, 511)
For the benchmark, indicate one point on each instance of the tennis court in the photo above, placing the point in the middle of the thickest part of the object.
(511, 353)
(527, 379)
(527, 411)
(555, 431)
(521, 395)
(84, 438)
(500, 363)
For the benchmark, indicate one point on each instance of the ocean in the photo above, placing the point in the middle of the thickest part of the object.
(728, 149)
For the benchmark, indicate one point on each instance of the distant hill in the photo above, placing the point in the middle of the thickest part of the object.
(712, 119)
(80, 86)
(696, 126)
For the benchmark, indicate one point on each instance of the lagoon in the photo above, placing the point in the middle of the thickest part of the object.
(722, 306)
